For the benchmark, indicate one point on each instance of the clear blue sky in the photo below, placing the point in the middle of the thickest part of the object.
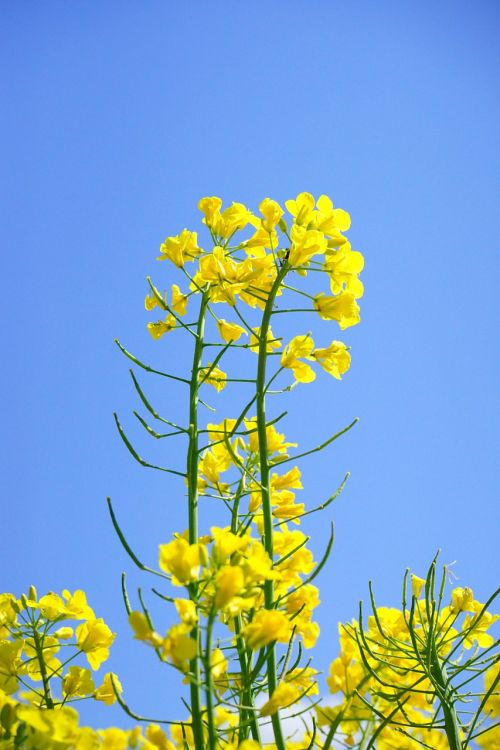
(117, 117)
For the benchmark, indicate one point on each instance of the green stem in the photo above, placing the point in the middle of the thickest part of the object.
(444, 693)
(43, 669)
(209, 687)
(247, 709)
(192, 477)
(265, 487)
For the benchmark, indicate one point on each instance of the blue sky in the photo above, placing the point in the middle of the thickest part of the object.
(119, 117)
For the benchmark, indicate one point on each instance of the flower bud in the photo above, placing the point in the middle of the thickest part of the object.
(32, 593)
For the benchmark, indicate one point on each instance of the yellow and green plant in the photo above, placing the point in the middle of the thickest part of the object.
(241, 594)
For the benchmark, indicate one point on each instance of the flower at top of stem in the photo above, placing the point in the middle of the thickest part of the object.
(180, 248)
(69, 606)
(272, 213)
(224, 223)
(417, 584)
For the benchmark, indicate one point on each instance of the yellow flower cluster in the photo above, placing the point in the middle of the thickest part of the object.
(32, 632)
(245, 269)
(384, 662)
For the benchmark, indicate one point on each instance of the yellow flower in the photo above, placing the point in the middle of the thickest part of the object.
(303, 601)
(181, 560)
(304, 677)
(271, 341)
(417, 584)
(8, 615)
(70, 606)
(230, 331)
(462, 600)
(224, 223)
(210, 207)
(179, 647)
(157, 737)
(94, 638)
(308, 631)
(186, 609)
(218, 664)
(63, 634)
(229, 582)
(213, 376)
(142, 629)
(179, 300)
(180, 248)
(305, 244)
(334, 359)
(226, 543)
(257, 565)
(290, 480)
(332, 221)
(343, 266)
(272, 213)
(299, 347)
(76, 606)
(476, 626)
(161, 326)
(9, 665)
(214, 462)
(113, 739)
(493, 704)
(260, 240)
(267, 626)
(151, 301)
(301, 208)
(284, 695)
(59, 726)
(233, 218)
(284, 505)
(275, 440)
(106, 692)
(343, 308)
(78, 681)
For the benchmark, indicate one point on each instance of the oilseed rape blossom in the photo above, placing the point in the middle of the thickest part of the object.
(236, 589)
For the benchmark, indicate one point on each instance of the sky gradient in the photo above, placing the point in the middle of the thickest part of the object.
(119, 117)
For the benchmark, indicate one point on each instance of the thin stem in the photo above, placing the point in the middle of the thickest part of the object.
(192, 477)
(38, 642)
(266, 488)
(209, 687)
